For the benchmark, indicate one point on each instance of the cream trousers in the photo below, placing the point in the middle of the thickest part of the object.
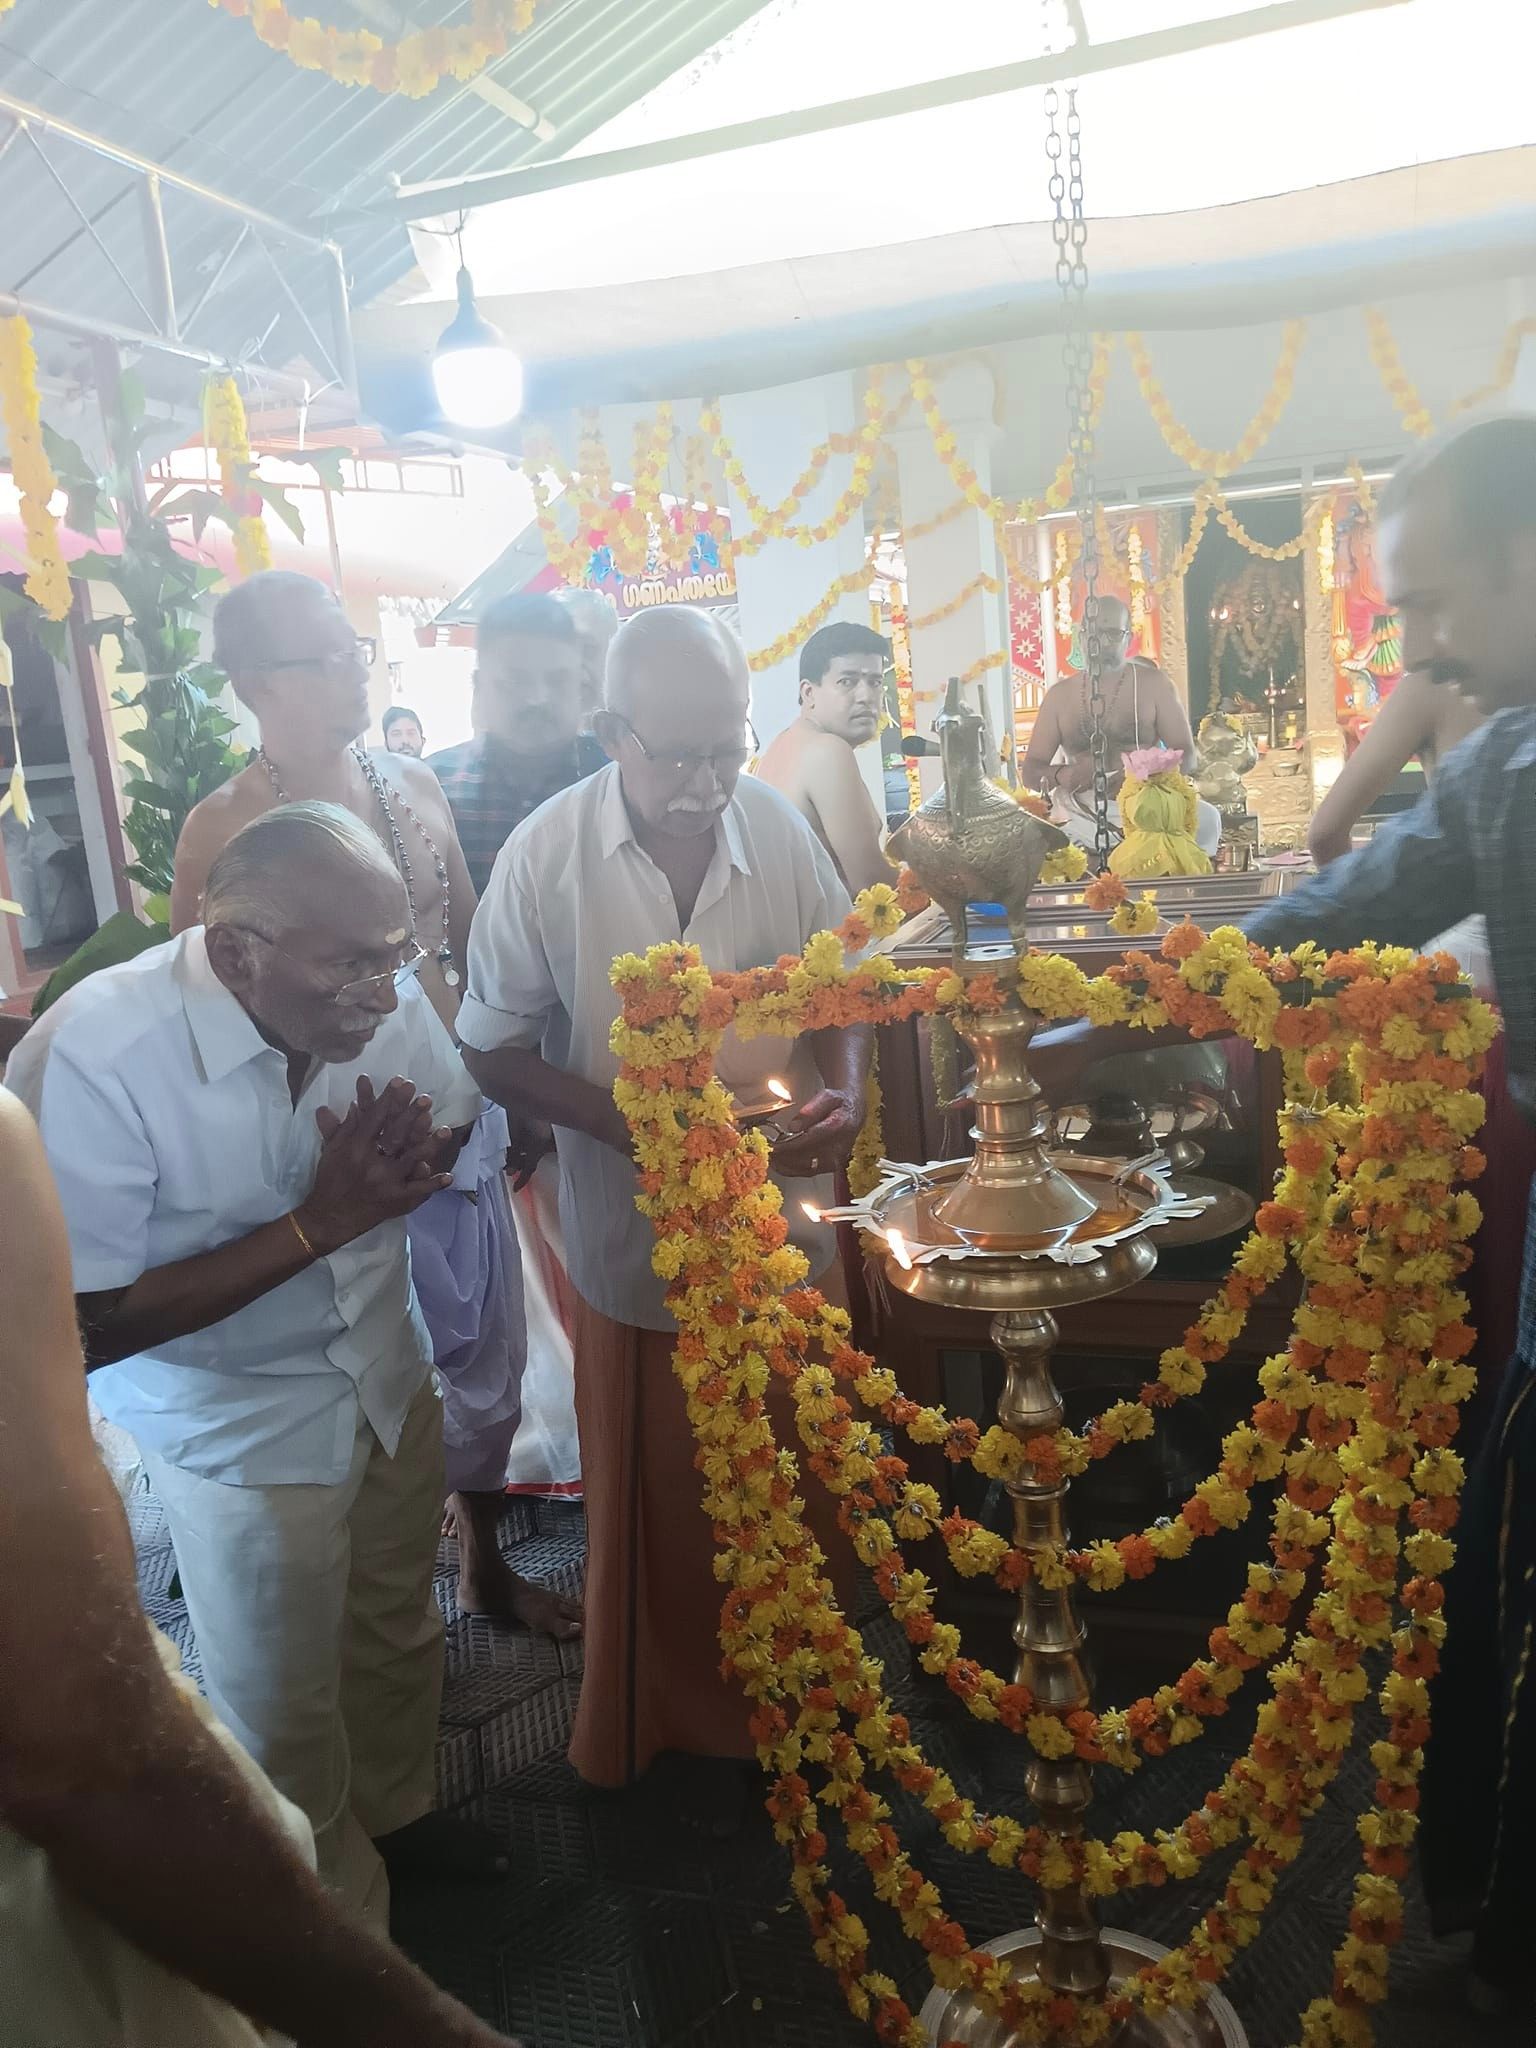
(321, 1641)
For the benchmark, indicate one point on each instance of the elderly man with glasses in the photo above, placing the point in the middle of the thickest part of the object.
(666, 843)
(239, 1123)
(296, 664)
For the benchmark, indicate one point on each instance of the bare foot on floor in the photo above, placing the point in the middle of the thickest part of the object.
(500, 1594)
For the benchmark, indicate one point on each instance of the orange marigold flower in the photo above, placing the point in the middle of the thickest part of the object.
(1321, 1066)
(1276, 1219)
(1182, 941)
(1306, 1154)
(1105, 892)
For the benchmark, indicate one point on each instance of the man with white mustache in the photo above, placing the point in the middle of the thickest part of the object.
(668, 843)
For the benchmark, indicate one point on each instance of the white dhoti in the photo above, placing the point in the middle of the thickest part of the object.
(1078, 822)
(68, 1980)
(546, 1456)
(320, 1639)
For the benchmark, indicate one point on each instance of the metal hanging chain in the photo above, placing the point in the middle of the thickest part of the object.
(1070, 230)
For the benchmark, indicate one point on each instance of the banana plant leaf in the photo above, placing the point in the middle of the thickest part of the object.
(121, 938)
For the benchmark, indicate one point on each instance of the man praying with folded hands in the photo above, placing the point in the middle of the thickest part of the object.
(240, 1122)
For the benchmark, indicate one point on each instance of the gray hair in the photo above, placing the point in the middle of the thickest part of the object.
(676, 628)
(588, 607)
(242, 618)
(282, 860)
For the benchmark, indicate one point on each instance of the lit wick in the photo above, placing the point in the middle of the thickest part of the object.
(776, 1088)
(899, 1252)
(812, 1211)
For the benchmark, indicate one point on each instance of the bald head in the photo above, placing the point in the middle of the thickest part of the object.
(673, 646)
(293, 659)
(676, 717)
(1115, 634)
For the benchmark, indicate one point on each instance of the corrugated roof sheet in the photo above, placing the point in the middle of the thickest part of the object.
(182, 83)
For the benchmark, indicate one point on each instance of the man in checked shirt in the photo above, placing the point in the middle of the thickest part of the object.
(1457, 547)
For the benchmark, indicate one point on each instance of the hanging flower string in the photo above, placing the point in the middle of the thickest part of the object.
(1356, 1418)
(47, 581)
(412, 67)
(228, 436)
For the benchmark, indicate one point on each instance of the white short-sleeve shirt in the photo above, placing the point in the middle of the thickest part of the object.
(571, 890)
(171, 1130)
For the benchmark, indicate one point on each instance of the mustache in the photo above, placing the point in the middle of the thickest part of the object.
(693, 806)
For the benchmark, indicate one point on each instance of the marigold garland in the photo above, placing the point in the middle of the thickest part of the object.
(1372, 1375)
(1216, 462)
(228, 436)
(47, 580)
(1400, 387)
(412, 67)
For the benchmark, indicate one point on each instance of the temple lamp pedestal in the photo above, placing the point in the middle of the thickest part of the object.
(1010, 1205)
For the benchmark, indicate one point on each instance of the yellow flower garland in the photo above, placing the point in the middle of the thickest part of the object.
(1372, 1373)
(47, 582)
(1216, 462)
(224, 424)
(412, 67)
(1058, 493)
(1400, 387)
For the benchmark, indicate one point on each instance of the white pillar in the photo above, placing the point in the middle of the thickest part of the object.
(772, 434)
(942, 563)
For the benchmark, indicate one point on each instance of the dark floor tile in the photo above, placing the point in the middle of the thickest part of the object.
(538, 1726)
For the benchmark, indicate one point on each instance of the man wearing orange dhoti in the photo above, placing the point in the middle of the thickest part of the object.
(664, 844)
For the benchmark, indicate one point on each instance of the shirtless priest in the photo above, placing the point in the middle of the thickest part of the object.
(1141, 709)
(842, 693)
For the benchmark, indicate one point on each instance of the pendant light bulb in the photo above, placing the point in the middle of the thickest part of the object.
(478, 379)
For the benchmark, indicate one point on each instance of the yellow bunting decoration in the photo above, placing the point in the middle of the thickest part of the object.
(224, 423)
(1220, 461)
(1400, 387)
(412, 67)
(1058, 493)
(980, 584)
(1515, 337)
(1352, 1429)
(1287, 551)
(776, 522)
(47, 582)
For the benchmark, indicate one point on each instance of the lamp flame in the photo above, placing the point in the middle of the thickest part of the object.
(899, 1252)
(777, 1089)
(812, 1211)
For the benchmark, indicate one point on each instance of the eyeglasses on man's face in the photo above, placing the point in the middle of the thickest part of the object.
(339, 661)
(683, 763)
(358, 993)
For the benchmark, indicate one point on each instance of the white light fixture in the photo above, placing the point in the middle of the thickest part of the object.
(478, 379)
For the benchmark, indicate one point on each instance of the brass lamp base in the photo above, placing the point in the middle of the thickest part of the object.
(954, 2020)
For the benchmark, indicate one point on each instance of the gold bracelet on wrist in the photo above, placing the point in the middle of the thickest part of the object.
(298, 1231)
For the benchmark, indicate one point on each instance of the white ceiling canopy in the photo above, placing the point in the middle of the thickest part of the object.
(1391, 87)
